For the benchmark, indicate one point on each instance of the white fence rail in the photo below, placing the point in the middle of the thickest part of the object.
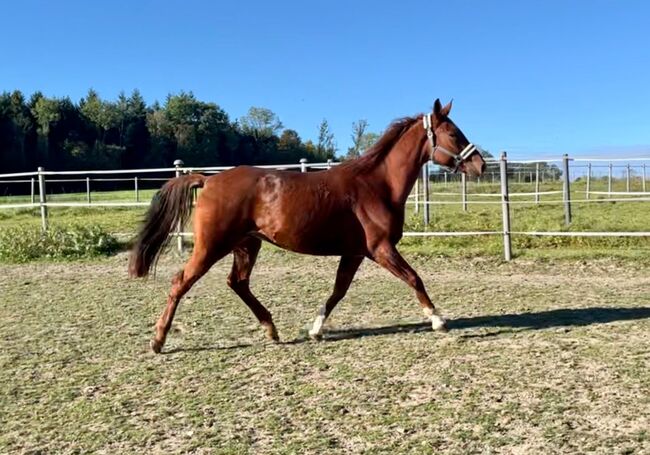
(531, 172)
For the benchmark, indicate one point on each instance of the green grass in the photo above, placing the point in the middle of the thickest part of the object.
(74, 242)
(543, 357)
(594, 216)
(600, 216)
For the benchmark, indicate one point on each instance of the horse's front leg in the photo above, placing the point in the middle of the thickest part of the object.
(386, 255)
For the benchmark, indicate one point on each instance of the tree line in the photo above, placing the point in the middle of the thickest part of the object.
(127, 133)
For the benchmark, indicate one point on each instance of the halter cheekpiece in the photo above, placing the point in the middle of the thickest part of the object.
(459, 159)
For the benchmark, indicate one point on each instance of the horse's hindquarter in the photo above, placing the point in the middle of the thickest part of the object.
(308, 213)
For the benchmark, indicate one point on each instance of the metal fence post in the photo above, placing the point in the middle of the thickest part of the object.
(136, 189)
(643, 182)
(42, 197)
(32, 190)
(425, 187)
(588, 187)
(536, 183)
(178, 164)
(627, 178)
(609, 180)
(505, 206)
(88, 190)
(463, 188)
(303, 164)
(566, 190)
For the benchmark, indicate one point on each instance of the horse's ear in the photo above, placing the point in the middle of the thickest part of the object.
(439, 110)
(437, 107)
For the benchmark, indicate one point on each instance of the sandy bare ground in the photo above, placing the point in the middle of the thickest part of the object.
(541, 358)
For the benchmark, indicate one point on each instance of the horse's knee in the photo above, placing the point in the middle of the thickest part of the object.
(235, 283)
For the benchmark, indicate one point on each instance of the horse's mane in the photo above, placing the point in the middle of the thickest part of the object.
(386, 142)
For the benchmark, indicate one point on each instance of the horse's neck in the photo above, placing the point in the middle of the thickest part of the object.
(403, 163)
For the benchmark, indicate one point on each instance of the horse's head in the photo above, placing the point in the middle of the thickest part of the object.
(447, 145)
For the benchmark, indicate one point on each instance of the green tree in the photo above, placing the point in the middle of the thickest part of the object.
(358, 130)
(362, 140)
(46, 113)
(290, 147)
(260, 122)
(368, 140)
(326, 147)
(189, 129)
(16, 132)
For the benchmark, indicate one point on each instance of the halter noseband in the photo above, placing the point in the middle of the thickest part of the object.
(459, 159)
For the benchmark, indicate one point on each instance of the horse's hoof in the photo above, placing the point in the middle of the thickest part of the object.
(156, 346)
(439, 324)
(272, 334)
(316, 336)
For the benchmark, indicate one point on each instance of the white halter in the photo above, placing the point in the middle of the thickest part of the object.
(459, 159)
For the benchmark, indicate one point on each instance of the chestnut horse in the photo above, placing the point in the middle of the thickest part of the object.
(354, 210)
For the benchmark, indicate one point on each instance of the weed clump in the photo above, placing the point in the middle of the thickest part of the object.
(72, 242)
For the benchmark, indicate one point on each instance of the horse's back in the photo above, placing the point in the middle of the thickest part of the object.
(303, 212)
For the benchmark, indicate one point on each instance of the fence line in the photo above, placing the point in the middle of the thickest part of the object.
(533, 175)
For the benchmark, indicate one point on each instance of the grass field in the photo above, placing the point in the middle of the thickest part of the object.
(542, 357)
(481, 216)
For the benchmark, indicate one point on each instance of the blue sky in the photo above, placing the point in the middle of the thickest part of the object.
(535, 78)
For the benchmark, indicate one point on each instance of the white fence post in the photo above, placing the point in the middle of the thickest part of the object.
(42, 198)
(135, 187)
(32, 190)
(609, 180)
(329, 163)
(536, 183)
(417, 195)
(505, 207)
(643, 183)
(463, 187)
(303, 164)
(566, 190)
(425, 193)
(627, 178)
(179, 228)
(88, 190)
(588, 187)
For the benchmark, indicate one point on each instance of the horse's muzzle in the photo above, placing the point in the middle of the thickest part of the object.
(474, 166)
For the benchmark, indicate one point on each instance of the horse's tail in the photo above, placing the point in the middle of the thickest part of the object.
(169, 207)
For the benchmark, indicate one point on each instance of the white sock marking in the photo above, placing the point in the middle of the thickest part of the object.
(437, 322)
(317, 328)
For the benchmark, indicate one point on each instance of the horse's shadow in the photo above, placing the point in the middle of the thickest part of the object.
(507, 323)
(566, 317)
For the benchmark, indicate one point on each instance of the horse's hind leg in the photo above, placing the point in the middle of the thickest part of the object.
(348, 266)
(202, 259)
(244, 257)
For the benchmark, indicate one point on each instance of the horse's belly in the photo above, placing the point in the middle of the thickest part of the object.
(336, 236)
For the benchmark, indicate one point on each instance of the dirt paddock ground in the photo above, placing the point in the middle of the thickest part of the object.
(542, 357)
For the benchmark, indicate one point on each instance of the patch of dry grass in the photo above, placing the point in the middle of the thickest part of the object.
(542, 358)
